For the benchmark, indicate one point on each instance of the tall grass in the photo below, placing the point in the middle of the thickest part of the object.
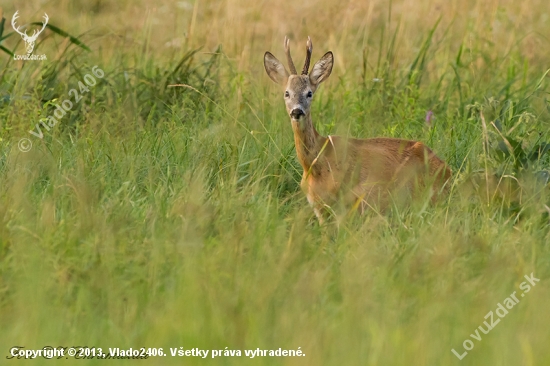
(156, 215)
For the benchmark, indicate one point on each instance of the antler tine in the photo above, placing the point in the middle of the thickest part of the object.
(288, 57)
(309, 49)
(36, 32)
(46, 18)
(16, 28)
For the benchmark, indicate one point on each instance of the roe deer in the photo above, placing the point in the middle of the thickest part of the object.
(358, 173)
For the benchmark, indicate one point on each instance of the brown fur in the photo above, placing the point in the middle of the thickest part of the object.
(355, 173)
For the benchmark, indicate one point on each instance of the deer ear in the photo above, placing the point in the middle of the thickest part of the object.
(322, 69)
(275, 69)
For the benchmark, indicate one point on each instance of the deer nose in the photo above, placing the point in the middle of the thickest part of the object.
(297, 113)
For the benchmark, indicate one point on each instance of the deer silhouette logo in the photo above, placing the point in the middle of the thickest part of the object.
(29, 40)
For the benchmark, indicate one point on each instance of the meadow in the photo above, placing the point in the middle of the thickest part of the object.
(162, 216)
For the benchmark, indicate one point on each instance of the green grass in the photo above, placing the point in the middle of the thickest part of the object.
(161, 216)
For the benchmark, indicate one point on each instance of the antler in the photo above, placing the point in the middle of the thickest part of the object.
(16, 28)
(289, 59)
(309, 48)
(35, 33)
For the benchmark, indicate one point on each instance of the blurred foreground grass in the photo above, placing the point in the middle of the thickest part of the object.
(158, 216)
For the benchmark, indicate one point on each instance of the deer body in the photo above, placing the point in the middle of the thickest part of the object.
(355, 173)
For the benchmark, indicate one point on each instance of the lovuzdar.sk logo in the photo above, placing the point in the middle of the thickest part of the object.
(30, 41)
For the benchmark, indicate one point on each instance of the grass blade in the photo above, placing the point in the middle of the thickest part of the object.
(62, 33)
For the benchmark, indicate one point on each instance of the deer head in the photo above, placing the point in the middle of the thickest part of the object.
(29, 40)
(299, 89)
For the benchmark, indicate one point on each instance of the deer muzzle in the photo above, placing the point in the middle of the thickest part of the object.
(296, 113)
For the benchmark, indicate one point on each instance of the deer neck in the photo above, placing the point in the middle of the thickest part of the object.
(308, 143)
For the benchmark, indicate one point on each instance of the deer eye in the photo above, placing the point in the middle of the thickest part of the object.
(287, 94)
(309, 94)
